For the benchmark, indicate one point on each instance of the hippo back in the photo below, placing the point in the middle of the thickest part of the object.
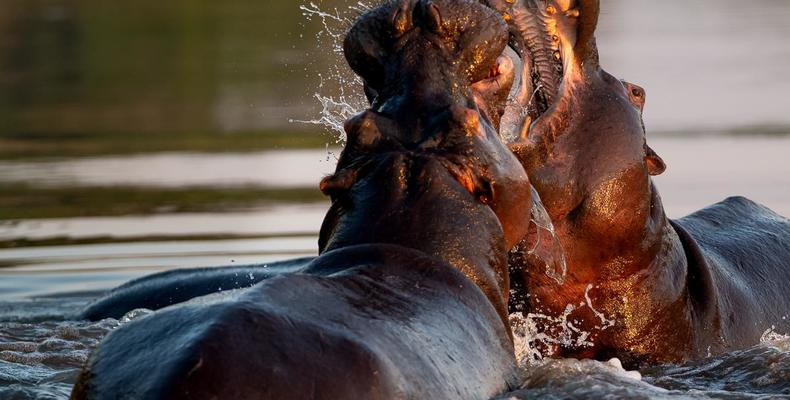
(382, 326)
(745, 247)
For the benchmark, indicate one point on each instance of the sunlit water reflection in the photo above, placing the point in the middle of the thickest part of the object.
(283, 168)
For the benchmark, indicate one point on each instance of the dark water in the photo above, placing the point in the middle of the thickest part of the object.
(91, 67)
(41, 351)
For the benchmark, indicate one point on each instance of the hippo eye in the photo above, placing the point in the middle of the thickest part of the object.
(485, 192)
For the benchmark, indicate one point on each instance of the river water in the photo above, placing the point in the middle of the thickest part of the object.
(708, 66)
(41, 288)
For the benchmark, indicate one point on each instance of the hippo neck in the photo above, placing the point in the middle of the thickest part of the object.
(604, 253)
(440, 220)
(470, 249)
(630, 299)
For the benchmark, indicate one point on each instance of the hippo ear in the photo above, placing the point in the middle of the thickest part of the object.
(655, 165)
(335, 185)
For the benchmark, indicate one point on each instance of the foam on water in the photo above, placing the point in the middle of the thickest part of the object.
(40, 359)
(760, 372)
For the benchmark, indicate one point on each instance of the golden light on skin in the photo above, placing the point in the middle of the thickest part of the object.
(467, 182)
(605, 199)
(633, 323)
(472, 124)
(401, 21)
(565, 5)
(403, 175)
(478, 57)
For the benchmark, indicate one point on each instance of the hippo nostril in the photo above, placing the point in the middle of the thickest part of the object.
(401, 20)
(435, 18)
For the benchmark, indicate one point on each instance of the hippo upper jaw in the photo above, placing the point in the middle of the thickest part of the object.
(555, 42)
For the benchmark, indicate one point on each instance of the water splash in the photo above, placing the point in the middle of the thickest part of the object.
(537, 335)
(339, 91)
(606, 323)
(334, 113)
(135, 314)
(547, 245)
(772, 338)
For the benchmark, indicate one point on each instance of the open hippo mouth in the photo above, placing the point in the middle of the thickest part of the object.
(554, 39)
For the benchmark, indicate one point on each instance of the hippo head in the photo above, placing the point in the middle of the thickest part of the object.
(580, 134)
(419, 58)
(424, 166)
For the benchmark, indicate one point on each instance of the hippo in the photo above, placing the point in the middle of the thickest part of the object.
(646, 288)
(162, 289)
(408, 298)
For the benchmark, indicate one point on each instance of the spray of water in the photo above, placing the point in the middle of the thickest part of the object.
(537, 336)
(339, 92)
(547, 245)
(775, 339)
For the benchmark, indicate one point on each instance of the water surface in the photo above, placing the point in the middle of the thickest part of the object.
(86, 69)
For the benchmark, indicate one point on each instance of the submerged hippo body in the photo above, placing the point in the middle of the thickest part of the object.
(408, 297)
(167, 288)
(647, 289)
(739, 252)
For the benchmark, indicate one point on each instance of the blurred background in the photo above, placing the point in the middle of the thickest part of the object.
(147, 135)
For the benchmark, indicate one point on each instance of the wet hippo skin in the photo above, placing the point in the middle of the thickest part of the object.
(408, 298)
(651, 289)
(166, 288)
